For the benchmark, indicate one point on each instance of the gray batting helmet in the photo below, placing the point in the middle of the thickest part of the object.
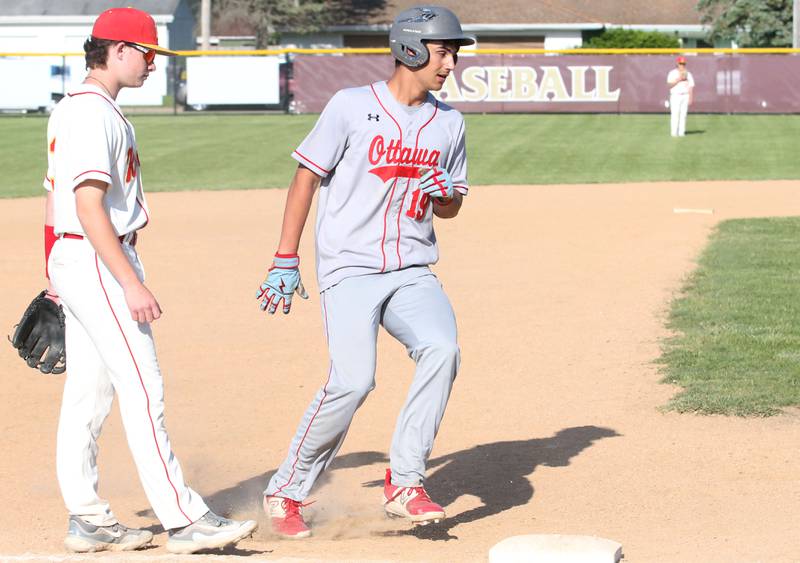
(432, 23)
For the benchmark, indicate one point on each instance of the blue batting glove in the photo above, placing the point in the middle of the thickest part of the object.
(283, 279)
(437, 182)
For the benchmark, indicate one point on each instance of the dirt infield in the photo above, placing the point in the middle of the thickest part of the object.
(553, 425)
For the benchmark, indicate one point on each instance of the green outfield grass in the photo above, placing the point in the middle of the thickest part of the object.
(252, 151)
(737, 323)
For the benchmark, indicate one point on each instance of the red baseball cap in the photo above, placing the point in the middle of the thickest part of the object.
(129, 25)
(681, 59)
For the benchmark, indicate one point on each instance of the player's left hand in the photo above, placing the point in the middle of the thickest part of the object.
(283, 279)
(437, 182)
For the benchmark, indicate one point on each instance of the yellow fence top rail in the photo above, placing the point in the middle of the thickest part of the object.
(386, 51)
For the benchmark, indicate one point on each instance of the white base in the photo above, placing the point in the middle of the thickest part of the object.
(689, 210)
(555, 548)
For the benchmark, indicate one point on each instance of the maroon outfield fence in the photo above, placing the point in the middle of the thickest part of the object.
(731, 81)
(748, 83)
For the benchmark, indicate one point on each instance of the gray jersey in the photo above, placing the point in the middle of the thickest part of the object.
(369, 150)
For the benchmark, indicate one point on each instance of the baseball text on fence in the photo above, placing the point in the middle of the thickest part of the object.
(530, 84)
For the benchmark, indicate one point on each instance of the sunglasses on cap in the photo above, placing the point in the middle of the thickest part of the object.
(149, 54)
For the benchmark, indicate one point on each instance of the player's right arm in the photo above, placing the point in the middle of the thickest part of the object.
(283, 277)
(49, 240)
(49, 211)
(298, 205)
(96, 224)
(317, 155)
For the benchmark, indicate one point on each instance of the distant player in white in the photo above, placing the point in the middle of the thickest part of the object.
(681, 86)
(96, 207)
(387, 158)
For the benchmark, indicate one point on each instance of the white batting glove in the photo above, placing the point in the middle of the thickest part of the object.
(437, 183)
(283, 280)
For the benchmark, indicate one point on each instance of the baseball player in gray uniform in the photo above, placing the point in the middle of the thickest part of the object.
(386, 157)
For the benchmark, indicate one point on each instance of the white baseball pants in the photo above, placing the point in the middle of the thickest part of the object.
(678, 108)
(108, 353)
(412, 306)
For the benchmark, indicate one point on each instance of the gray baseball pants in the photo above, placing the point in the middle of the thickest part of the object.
(412, 306)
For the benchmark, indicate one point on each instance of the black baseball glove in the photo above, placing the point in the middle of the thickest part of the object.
(39, 336)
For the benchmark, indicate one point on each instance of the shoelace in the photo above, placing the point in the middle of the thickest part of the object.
(292, 508)
(421, 494)
(214, 519)
(412, 493)
(117, 529)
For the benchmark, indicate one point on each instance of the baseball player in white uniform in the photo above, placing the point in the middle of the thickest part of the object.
(386, 157)
(96, 206)
(681, 86)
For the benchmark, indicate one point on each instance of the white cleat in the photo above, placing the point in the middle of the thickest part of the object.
(210, 531)
(83, 537)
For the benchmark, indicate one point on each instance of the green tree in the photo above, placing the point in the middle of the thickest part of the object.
(751, 23)
(618, 38)
(269, 17)
(266, 19)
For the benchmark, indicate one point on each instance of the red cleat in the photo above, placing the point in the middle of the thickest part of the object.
(412, 503)
(286, 517)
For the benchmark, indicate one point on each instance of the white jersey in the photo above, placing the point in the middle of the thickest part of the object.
(369, 150)
(682, 87)
(89, 139)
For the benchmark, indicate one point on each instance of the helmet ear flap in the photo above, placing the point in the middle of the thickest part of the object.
(412, 53)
